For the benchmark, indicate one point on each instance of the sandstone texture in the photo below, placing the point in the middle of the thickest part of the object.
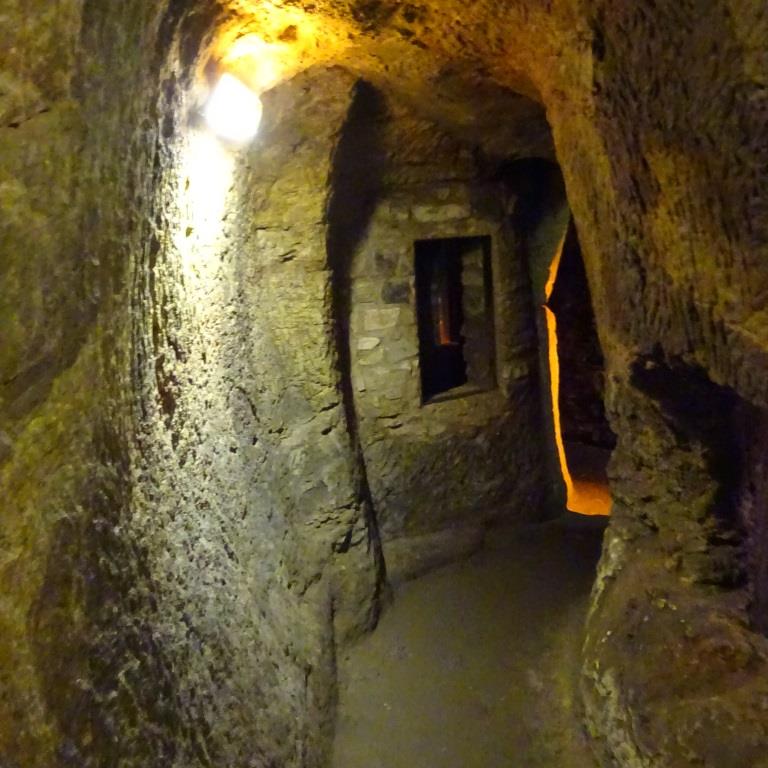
(209, 412)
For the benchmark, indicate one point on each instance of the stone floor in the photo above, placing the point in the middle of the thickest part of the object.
(475, 665)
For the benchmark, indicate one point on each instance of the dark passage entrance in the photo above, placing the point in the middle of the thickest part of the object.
(440, 316)
(454, 314)
(587, 439)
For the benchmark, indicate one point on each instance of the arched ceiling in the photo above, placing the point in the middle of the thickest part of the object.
(481, 70)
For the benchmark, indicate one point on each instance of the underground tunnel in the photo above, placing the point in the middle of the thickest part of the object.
(383, 384)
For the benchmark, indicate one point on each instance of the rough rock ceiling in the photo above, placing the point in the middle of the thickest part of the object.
(479, 70)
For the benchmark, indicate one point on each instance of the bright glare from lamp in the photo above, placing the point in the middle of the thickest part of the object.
(234, 110)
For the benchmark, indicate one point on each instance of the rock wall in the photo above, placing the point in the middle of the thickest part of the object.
(471, 455)
(247, 505)
(185, 533)
(540, 217)
(121, 482)
(661, 171)
(675, 579)
(658, 113)
(63, 416)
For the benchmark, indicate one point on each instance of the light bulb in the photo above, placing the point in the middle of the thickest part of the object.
(234, 111)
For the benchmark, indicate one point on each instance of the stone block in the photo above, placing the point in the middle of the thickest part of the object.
(381, 319)
(396, 292)
(365, 291)
(368, 343)
(427, 214)
(398, 351)
(396, 212)
(374, 357)
(384, 263)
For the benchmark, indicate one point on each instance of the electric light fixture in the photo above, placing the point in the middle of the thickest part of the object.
(233, 111)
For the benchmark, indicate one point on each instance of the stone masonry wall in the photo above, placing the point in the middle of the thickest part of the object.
(473, 455)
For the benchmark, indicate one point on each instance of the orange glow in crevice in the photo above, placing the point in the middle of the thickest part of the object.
(585, 497)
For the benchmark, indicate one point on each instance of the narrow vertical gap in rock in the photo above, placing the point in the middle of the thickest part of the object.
(570, 358)
(585, 436)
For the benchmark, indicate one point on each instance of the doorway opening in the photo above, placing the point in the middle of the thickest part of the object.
(583, 436)
(454, 309)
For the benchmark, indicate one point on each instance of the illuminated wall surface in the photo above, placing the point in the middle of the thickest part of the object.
(209, 395)
(583, 495)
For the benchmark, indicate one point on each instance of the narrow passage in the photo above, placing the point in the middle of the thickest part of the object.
(476, 665)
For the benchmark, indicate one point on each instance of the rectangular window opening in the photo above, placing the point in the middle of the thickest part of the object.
(454, 315)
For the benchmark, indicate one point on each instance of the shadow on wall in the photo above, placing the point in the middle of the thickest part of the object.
(356, 184)
(539, 219)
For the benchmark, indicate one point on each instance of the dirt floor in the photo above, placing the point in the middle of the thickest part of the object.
(475, 665)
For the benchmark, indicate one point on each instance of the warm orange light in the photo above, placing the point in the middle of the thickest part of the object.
(276, 43)
(260, 64)
(582, 496)
(589, 498)
(553, 267)
(444, 338)
(554, 383)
